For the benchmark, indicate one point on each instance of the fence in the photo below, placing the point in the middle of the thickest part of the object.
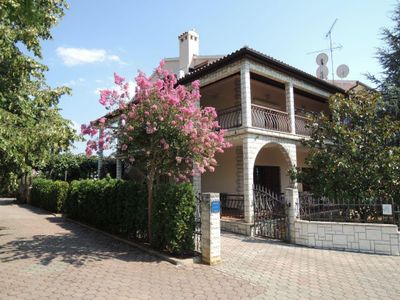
(367, 211)
(232, 205)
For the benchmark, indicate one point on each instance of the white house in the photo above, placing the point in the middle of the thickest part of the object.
(262, 103)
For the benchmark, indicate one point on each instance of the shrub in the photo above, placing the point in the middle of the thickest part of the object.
(173, 220)
(49, 195)
(113, 205)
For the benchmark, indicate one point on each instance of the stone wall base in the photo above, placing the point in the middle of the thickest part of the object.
(237, 226)
(359, 237)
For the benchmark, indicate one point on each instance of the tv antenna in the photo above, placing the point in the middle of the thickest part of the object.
(338, 47)
(329, 35)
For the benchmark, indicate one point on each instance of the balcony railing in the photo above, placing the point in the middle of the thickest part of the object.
(262, 117)
(230, 117)
(301, 127)
(269, 118)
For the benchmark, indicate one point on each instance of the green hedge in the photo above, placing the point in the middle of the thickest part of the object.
(173, 220)
(120, 207)
(49, 195)
(113, 205)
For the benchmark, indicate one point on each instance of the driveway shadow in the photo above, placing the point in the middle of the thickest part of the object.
(78, 246)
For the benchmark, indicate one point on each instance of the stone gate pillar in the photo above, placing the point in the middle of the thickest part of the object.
(210, 229)
(293, 211)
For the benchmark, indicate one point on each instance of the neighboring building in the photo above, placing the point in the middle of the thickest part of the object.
(351, 85)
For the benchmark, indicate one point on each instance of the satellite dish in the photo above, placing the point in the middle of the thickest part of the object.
(321, 59)
(342, 71)
(322, 72)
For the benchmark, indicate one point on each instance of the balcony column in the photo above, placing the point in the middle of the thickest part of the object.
(290, 106)
(249, 154)
(245, 94)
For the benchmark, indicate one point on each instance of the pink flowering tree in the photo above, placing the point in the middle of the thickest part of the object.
(162, 130)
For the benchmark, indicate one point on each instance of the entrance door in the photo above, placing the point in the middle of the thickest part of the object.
(268, 177)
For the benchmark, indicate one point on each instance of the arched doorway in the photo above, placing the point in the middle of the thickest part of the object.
(271, 177)
(271, 168)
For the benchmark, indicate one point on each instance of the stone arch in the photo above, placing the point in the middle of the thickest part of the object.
(287, 149)
(252, 145)
(288, 152)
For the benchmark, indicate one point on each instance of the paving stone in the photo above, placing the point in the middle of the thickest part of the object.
(46, 257)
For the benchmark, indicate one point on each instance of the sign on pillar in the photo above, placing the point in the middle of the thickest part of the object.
(210, 228)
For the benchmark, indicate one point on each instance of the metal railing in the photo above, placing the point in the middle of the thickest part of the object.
(301, 125)
(262, 117)
(269, 118)
(324, 209)
(232, 205)
(230, 117)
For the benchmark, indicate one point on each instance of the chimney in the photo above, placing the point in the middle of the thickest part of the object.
(188, 46)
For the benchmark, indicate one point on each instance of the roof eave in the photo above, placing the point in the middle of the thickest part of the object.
(263, 59)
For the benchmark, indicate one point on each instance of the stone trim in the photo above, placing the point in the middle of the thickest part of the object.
(278, 76)
(359, 237)
(220, 73)
(237, 226)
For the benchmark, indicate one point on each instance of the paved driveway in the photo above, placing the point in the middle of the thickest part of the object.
(43, 256)
(288, 271)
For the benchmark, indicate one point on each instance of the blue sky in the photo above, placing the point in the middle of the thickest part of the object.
(96, 38)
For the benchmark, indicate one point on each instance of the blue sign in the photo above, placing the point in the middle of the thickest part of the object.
(215, 206)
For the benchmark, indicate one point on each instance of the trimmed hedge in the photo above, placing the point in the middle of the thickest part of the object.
(173, 221)
(120, 207)
(113, 205)
(49, 195)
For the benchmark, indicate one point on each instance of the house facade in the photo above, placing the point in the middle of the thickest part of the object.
(262, 104)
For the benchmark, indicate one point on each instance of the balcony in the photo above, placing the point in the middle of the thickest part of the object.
(301, 123)
(230, 117)
(262, 117)
(268, 118)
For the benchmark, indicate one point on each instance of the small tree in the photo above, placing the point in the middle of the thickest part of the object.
(352, 156)
(161, 131)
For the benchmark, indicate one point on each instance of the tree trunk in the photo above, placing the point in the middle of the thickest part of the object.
(149, 184)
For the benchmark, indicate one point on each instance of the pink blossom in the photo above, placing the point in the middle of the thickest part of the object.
(150, 130)
(118, 79)
(155, 102)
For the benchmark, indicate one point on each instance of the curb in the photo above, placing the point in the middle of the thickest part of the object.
(175, 261)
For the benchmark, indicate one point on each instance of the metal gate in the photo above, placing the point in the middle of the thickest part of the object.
(197, 229)
(270, 218)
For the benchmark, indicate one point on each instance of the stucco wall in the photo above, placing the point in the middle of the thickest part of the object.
(369, 238)
(223, 180)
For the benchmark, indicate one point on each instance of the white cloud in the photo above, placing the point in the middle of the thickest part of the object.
(73, 82)
(79, 56)
(113, 58)
(97, 91)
